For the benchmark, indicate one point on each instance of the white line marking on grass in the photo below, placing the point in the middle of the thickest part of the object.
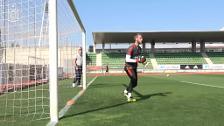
(207, 85)
(75, 98)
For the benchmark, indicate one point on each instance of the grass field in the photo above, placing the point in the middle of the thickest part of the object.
(177, 100)
(65, 93)
(162, 101)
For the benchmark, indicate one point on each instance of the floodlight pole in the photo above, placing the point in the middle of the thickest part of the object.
(53, 61)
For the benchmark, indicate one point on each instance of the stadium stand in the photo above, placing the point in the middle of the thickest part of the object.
(113, 60)
(180, 58)
(116, 60)
(91, 59)
(216, 57)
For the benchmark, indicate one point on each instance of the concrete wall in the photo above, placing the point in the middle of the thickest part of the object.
(26, 56)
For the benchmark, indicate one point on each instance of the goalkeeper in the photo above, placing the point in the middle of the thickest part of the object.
(131, 63)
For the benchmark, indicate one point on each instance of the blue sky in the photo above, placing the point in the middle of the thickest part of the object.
(150, 15)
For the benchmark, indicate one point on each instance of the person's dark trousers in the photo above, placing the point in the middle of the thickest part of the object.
(78, 75)
(132, 74)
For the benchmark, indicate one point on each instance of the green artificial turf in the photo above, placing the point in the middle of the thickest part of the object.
(161, 101)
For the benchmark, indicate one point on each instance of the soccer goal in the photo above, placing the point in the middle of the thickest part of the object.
(38, 42)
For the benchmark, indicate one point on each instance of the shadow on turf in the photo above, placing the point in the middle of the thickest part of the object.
(150, 95)
(104, 85)
(141, 98)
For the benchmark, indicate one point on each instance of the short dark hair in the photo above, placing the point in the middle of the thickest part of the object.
(137, 34)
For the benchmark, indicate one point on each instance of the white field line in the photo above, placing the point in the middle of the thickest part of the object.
(75, 98)
(207, 85)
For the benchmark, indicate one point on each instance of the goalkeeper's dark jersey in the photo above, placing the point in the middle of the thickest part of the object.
(132, 54)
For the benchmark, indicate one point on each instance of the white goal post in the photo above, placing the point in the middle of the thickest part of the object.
(53, 60)
(53, 55)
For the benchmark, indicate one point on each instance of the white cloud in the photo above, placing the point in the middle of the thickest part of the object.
(222, 29)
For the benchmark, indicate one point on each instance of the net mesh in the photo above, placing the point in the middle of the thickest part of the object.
(24, 66)
(24, 56)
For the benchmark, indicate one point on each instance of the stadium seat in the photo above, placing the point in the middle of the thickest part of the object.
(91, 59)
(113, 60)
(180, 58)
(117, 60)
(216, 57)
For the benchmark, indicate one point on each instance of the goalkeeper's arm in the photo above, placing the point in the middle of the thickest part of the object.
(141, 59)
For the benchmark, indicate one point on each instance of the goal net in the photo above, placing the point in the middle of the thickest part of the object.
(25, 58)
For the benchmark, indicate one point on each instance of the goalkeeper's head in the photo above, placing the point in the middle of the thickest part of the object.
(138, 38)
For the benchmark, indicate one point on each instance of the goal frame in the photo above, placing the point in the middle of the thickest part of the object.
(53, 55)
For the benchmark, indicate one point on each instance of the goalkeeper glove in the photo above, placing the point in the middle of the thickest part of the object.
(141, 60)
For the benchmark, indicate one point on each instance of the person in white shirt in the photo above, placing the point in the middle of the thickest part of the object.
(78, 68)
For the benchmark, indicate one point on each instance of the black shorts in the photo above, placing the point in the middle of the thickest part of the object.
(78, 71)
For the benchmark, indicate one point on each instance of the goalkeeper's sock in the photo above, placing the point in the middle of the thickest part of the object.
(125, 93)
(129, 95)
